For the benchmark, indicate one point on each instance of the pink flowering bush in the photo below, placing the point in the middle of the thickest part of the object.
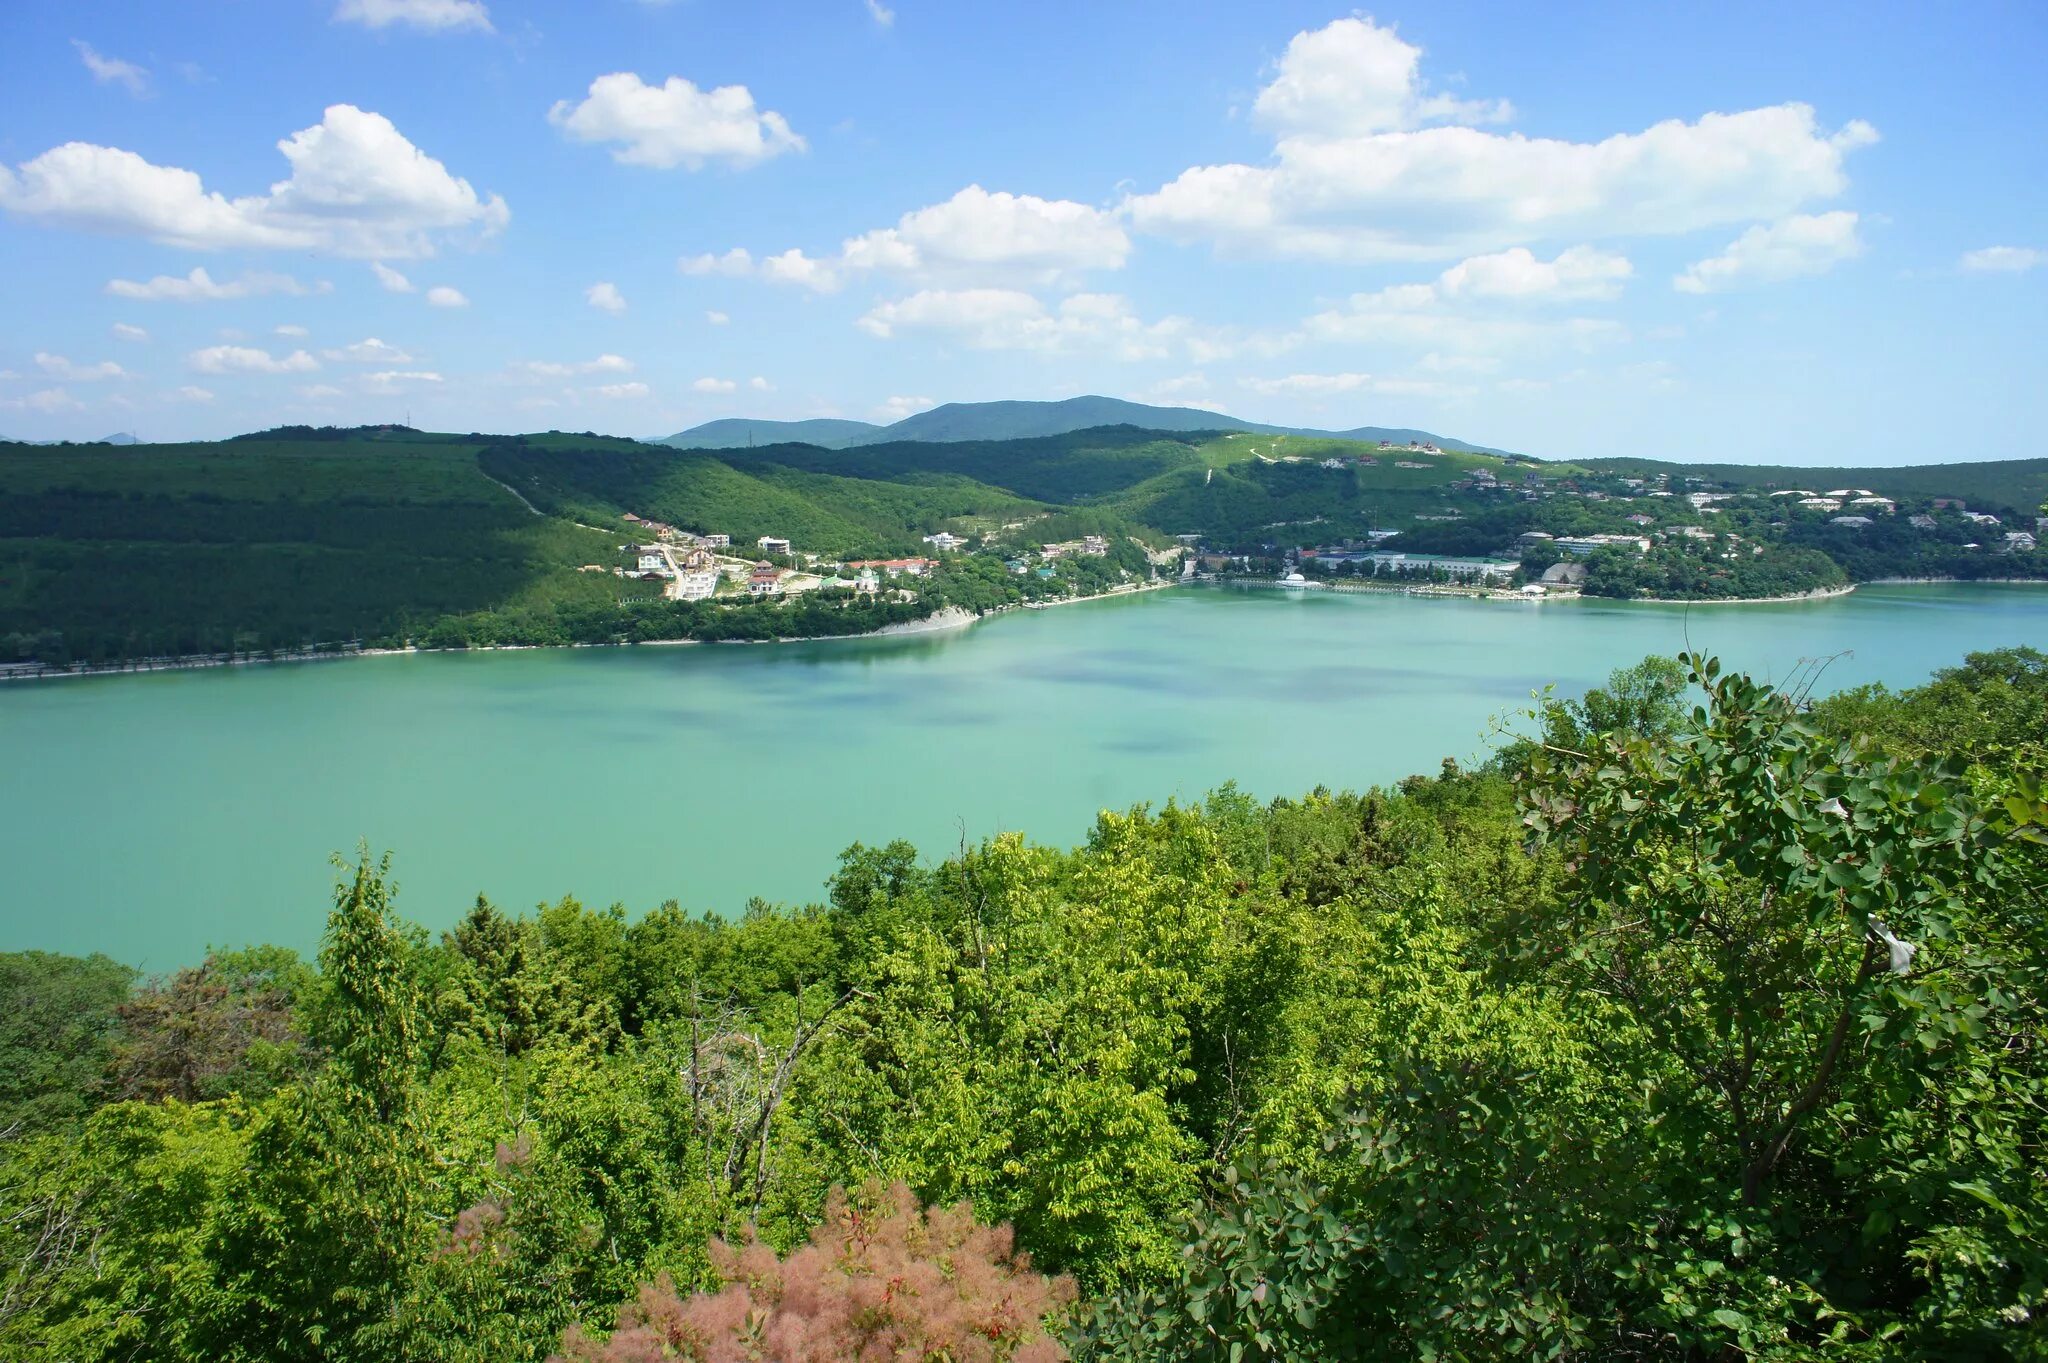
(885, 1280)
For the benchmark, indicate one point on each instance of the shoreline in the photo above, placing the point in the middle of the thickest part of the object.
(949, 619)
(945, 620)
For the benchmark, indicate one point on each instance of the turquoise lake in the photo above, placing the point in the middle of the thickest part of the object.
(152, 815)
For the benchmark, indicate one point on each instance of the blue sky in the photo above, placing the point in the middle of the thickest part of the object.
(1756, 232)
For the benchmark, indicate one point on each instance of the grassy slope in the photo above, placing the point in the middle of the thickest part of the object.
(819, 507)
(173, 548)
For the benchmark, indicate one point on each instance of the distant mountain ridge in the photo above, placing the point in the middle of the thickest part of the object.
(1015, 420)
(735, 433)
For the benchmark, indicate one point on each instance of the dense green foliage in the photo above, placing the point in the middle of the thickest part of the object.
(249, 546)
(1697, 1026)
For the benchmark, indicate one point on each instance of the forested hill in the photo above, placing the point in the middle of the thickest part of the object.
(1697, 1024)
(301, 537)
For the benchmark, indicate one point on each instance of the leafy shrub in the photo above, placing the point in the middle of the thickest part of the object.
(884, 1281)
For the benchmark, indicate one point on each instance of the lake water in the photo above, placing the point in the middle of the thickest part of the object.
(149, 816)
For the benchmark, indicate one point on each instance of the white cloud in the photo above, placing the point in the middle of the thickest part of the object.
(977, 233)
(1353, 176)
(716, 318)
(883, 16)
(124, 332)
(200, 287)
(192, 392)
(710, 385)
(56, 366)
(1799, 245)
(605, 298)
(318, 392)
(387, 381)
(794, 267)
(1583, 272)
(357, 188)
(112, 70)
(1354, 77)
(2010, 259)
(291, 329)
(392, 280)
(675, 123)
(232, 359)
(1419, 317)
(622, 390)
(442, 296)
(1007, 319)
(548, 369)
(736, 263)
(1324, 385)
(897, 408)
(369, 350)
(432, 15)
(760, 385)
(49, 402)
(975, 238)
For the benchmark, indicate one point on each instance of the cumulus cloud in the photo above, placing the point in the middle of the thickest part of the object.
(434, 16)
(1583, 272)
(711, 385)
(369, 350)
(1325, 385)
(1354, 77)
(977, 233)
(622, 390)
(112, 70)
(1804, 244)
(201, 287)
(357, 188)
(291, 329)
(794, 267)
(675, 123)
(1420, 317)
(392, 280)
(605, 298)
(236, 359)
(760, 385)
(737, 263)
(387, 381)
(124, 332)
(2006, 259)
(1354, 176)
(56, 366)
(48, 401)
(317, 392)
(897, 408)
(975, 238)
(443, 296)
(1008, 319)
(716, 318)
(549, 369)
(192, 392)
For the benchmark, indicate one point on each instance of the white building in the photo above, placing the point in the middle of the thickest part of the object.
(772, 544)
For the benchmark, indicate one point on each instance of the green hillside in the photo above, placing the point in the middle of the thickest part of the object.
(781, 492)
(124, 551)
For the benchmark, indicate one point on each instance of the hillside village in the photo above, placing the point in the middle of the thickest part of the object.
(1610, 533)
